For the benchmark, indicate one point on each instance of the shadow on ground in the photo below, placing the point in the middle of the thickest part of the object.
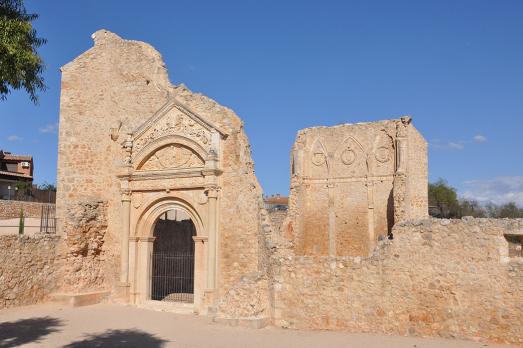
(23, 331)
(119, 338)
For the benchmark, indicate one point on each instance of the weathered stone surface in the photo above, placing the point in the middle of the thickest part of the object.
(29, 269)
(84, 235)
(345, 190)
(451, 279)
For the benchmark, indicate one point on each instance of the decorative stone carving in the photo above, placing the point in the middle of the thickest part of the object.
(348, 156)
(175, 123)
(173, 156)
(383, 154)
(319, 156)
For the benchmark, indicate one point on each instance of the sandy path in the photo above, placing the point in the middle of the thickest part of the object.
(124, 326)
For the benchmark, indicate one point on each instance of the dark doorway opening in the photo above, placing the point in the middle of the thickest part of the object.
(172, 274)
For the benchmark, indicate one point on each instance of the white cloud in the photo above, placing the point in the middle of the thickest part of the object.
(479, 138)
(50, 128)
(14, 138)
(498, 190)
(458, 144)
(450, 145)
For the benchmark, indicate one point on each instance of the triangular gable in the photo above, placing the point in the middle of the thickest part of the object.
(164, 110)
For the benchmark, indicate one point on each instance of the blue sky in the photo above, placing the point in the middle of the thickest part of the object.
(455, 66)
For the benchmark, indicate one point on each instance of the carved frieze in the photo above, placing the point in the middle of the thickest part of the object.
(175, 123)
(173, 156)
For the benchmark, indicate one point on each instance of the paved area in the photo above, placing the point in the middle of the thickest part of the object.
(125, 326)
(10, 226)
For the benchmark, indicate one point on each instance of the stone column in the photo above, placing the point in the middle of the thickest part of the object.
(200, 243)
(126, 217)
(144, 268)
(212, 195)
(400, 176)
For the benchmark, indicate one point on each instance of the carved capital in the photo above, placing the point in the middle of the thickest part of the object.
(212, 191)
(126, 195)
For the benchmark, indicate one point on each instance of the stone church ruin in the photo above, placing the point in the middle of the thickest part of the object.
(158, 206)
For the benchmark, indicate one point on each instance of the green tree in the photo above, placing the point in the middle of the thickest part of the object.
(444, 199)
(509, 210)
(471, 208)
(47, 186)
(20, 64)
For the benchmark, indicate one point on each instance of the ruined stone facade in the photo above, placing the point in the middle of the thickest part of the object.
(350, 183)
(355, 251)
(141, 146)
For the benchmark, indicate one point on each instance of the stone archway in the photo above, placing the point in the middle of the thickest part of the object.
(172, 273)
(142, 247)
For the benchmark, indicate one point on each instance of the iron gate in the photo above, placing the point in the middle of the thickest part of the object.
(48, 219)
(173, 277)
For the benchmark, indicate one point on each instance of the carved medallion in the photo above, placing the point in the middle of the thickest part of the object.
(318, 158)
(382, 154)
(348, 156)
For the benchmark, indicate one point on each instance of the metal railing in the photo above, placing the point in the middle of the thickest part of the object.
(173, 277)
(48, 219)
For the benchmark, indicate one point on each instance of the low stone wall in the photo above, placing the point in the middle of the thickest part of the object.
(29, 269)
(449, 278)
(11, 209)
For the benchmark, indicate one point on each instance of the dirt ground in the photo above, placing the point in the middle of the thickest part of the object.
(124, 326)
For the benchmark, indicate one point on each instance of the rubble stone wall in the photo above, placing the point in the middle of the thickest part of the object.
(11, 209)
(29, 269)
(449, 278)
(85, 233)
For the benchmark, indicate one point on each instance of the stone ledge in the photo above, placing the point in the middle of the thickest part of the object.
(78, 300)
(256, 323)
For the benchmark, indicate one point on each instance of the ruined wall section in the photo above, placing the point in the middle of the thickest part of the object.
(111, 90)
(29, 269)
(417, 174)
(108, 90)
(241, 243)
(449, 278)
(341, 188)
(86, 267)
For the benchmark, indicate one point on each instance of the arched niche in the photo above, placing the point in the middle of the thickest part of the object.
(164, 142)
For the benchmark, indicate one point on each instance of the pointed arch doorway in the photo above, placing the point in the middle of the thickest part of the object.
(172, 273)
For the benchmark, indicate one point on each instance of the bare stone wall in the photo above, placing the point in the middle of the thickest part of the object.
(29, 269)
(350, 184)
(11, 209)
(449, 278)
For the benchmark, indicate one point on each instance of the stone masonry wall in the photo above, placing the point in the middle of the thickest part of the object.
(449, 278)
(11, 209)
(29, 269)
(86, 250)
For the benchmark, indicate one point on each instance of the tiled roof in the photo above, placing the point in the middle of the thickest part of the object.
(18, 157)
(3, 172)
(277, 200)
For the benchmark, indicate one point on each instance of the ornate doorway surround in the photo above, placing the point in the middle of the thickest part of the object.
(172, 161)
